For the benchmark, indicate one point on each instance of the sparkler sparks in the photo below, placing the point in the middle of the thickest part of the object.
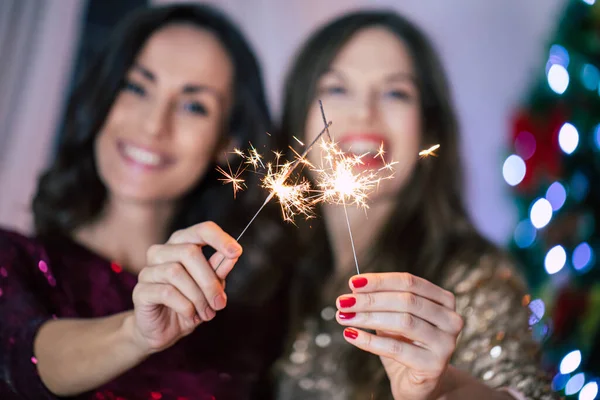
(429, 152)
(298, 140)
(233, 178)
(253, 158)
(290, 198)
(342, 178)
(380, 153)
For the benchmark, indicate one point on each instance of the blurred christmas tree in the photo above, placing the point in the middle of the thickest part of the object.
(555, 172)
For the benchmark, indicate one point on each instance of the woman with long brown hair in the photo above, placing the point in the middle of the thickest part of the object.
(437, 310)
(117, 295)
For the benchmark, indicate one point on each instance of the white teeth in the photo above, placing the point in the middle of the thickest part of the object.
(142, 156)
(361, 146)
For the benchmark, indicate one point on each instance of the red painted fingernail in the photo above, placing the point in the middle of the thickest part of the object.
(350, 333)
(347, 315)
(359, 282)
(346, 302)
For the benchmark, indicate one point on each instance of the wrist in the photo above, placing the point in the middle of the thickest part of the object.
(133, 338)
(449, 381)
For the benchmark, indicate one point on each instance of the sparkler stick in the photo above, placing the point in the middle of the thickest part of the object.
(351, 238)
(324, 119)
(287, 172)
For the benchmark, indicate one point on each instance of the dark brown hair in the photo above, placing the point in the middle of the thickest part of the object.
(430, 229)
(70, 193)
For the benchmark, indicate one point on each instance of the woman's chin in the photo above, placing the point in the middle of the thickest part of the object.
(142, 195)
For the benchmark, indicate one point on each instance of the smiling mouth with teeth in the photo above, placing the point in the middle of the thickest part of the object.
(141, 157)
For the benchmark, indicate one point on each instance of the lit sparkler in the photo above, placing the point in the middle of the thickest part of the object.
(291, 197)
(341, 182)
(339, 179)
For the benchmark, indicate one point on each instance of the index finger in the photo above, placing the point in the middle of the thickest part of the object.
(402, 282)
(208, 233)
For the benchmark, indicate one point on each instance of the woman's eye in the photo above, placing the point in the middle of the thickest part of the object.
(399, 94)
(334, 90)
(134, 88)
(196, 108)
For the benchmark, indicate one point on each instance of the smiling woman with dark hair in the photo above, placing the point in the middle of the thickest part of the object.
(436, 312)
(93, 306)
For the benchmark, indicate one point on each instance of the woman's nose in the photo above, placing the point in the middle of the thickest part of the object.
(157, 122)
(365, 108)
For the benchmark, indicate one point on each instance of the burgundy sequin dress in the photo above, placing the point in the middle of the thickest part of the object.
(225, 359)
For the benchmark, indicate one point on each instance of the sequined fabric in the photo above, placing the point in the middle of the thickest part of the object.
(495, 345)
(39, 280)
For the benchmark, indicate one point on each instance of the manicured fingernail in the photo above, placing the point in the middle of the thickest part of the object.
(196, 320)
(346, 302)
(347, 315)
(234, 248)
(350, 333)
(210, 313)
(220, 301)
(359, 282)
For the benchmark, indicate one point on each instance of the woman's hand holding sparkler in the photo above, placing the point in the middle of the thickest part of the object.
(416, 329)
(180, 288)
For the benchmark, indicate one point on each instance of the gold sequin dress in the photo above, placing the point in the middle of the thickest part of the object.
(496, 344)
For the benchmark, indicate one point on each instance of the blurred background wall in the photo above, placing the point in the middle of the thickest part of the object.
(38, 41)
(490, 48)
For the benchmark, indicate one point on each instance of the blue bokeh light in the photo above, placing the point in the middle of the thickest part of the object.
(590, 76)
(556, 195)
(575, 384)
(582, 256)
(524, 234)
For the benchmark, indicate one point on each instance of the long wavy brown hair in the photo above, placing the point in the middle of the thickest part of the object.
(431, 230)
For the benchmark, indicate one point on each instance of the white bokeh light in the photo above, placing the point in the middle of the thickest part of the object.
(589, 391)
(558, 78)
(541, 213)
(568, 138)
(570, 362)
(555, 261)
(513, 170)
(496, 351)
(590, 2)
